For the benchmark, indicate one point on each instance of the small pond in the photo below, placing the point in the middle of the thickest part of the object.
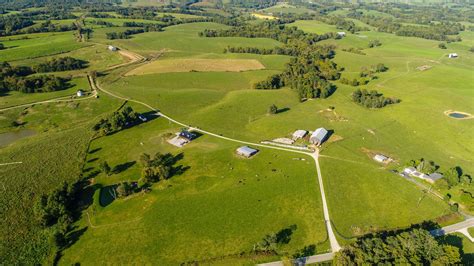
(10, 137)
(457, 115)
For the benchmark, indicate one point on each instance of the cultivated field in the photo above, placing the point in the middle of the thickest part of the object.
(197, 65)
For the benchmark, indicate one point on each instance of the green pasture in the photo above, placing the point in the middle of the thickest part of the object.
(29, 46)
(286, 9)
(224, 203)
(13, 98)
(314, 26)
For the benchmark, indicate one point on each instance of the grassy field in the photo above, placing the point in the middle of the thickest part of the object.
(36, 45)
(245, 199)
(285, 8)
(197, 65)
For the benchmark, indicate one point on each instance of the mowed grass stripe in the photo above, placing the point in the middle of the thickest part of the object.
(200, 65)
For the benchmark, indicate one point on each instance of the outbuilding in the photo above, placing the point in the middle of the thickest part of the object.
(318, 136)
(433, 177)
(112, 48)
(80, 93)
(246, 151)
(142, 117)
(341, 34)
(187, 135)
(453, 55)
(381, 158)
(299, 134)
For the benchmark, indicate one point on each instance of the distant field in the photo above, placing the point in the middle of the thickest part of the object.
(262, 16)
(199, 65)
(286, 9)
(36, 45)
(314, 26)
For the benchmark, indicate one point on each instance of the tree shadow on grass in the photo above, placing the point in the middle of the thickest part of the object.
(284, 235)
(107, 195)
(122, 167)
(92, 160)
(94, 150)
(282, 110)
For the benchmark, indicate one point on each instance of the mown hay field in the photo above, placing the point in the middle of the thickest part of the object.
(197, 65)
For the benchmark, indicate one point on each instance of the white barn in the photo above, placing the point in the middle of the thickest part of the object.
(112, 48)
(380, 158)
(341, 34)
(318, 136)
(453, 55)
(80, 93)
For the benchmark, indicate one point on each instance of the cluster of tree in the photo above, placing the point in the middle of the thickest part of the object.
(10, 25)
(55, 210)
(160, 167)
(47, 26)
(293, 48)
(454, 176)
(124, 189)
(254, 4)
(16, 78)
(60, 64)
(414, 246)
(354, 50)
(342, 24)
(372, 99)
(146, 26)
(355, 82)
(374, 43)
(273, 109)
(273, 29)
(434, 31)
(124, 34)
(370, 71)
(271, 83)
(102, 23)
(442, 45)
(2, 46)
(271, 243)
(117, 121)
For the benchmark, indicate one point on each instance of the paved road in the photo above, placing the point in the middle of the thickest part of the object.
(304, 260)
(454, 227)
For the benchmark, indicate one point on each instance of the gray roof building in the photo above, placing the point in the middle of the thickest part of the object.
(246, 151)
(318, 136)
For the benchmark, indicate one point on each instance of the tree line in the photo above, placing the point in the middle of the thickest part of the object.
(372, 99)
(60, 64)
(17, 78)
(414, 246)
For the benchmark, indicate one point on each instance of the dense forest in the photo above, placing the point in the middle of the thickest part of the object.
(17, 79)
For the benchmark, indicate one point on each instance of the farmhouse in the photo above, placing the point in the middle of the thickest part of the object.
(429, 178)
(341, 34)
(187, 135)
(299, 134)
(112, 48)
(246, 151)
(381, 158)
(318, 136)
(453, 55)
(80, 93)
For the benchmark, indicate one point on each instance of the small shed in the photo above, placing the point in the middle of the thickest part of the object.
(319, 136)
(409, 170)
(433, 177)
(187, 135)
(453, 55)
(80, 93)
(142, 117)
(246, 151)
(380, 158)
(299, 134)
(112, 48)
(341, 34)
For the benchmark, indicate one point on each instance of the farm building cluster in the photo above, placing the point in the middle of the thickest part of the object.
(411, 171)
(316, 137)
(182, 138)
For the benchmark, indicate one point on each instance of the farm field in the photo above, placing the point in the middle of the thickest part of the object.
(197, 65)
(202, 203)
(245, 198)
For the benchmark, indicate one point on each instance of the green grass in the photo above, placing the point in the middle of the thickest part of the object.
(286, 9)
(314, 26)
(37, 45)
(14, 98)
(224, 203)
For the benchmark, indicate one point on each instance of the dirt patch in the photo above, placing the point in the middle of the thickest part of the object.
(423, 67)
(334, 138)
(197, 65)
(331, 115)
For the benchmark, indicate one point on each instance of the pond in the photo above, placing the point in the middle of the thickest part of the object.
(10, 137)
(458, 115)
